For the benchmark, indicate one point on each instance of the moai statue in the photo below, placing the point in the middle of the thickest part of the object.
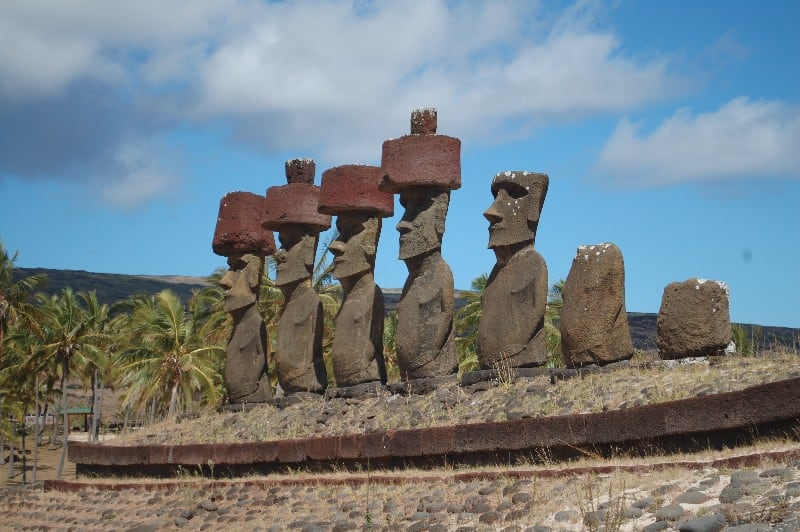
(594, 324)
(423, 168)
(239, 237)
(351, 193)
(693, 320)
(291, 210)
(511, 329)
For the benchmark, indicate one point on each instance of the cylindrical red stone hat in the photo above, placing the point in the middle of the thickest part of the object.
(422, 158)
(239, 228)
(297, 201)
(354, 188)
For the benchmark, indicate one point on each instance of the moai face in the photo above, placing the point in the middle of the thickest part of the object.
(356, 244)
(240, 283)
(514, 215)
(422, 225)
(295, 258)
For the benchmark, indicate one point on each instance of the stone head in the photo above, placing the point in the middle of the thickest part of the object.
(514, 214)
(422, 225)
(295, 258)
(241, 282)
(357, 244)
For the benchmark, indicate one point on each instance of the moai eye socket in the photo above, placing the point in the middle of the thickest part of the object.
(516, 191)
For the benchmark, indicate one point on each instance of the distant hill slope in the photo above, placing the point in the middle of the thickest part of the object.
(112, 287)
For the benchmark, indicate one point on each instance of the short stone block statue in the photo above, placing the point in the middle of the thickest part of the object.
(240, 237)
(291, 210)
(693, 320)
(351, 193)
(594, 323)
(423, 168)
(511, 329)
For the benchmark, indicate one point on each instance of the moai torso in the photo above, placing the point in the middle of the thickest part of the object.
(425, 338)
(358, 342)
(291, 210)
(351, 193)
(240, 237)
(423, 168)
(511, 329)
(298, 359)
(245, 361)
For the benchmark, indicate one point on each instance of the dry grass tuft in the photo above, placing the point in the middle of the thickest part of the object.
(624, 388)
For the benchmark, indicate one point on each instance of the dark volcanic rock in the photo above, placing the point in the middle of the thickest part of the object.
(693, 320)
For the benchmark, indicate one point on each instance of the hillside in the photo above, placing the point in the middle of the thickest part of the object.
(112, 287)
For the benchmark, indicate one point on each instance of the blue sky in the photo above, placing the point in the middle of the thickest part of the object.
(669, 128)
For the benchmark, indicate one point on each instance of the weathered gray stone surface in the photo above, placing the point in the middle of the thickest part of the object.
(351, 192)
(425, 337)
(292, 211)
(423, 167)
(511, 329)
(298, 358)
(594, 323)
(694, 319)
(358, 341)
(239, 236)
(246, 377)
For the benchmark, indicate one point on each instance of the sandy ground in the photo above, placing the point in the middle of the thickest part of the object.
(47, 463)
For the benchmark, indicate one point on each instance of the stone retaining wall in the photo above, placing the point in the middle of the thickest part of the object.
(699, 422)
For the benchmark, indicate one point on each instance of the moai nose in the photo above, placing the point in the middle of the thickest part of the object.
(492, 214)
(336, 247)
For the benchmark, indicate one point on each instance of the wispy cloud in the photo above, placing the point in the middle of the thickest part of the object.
(333, 78)
(741, 139)
(142, 175)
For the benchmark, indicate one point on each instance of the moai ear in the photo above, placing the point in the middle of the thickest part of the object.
(255, 267)
(538, 191)
(441, 203)
(309, 244)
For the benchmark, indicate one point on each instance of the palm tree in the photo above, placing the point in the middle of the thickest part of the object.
(167, 359)
(15, 295)
(552, 324)
(99, 321)
(24, 386)
(70, 344)
(390, 346)
(466, 323)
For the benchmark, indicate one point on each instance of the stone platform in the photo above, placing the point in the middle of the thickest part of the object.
(701, 422)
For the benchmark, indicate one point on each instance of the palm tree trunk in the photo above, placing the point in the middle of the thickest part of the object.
(52, 445)
(97, 417)
(11, 458)
(37, 440)
(173, 401)
(95, 410)
(152, 412)
(66, 425)
(2, 438)
(125, 420)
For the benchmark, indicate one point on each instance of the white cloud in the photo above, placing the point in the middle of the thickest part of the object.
(141, 175)
(35, 64)
(482, 65)
(742, 139)
(333, 78)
